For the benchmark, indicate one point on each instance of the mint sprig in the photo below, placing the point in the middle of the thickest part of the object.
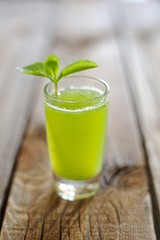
(50, 69)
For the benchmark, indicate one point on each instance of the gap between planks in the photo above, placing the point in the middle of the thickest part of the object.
(139, 44)
(27, 38)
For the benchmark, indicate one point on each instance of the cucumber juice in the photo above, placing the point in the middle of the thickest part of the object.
(76, 129)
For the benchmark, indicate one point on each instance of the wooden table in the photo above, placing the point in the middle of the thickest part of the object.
(124, 39)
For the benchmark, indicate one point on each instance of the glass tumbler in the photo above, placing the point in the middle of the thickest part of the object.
(76, 119)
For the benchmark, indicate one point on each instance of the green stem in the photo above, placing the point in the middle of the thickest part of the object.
(55, 82)
(56, 88)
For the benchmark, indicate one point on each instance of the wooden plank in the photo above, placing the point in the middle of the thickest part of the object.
(148, 95)
(122, 208)
(140, 51)
(22, 40)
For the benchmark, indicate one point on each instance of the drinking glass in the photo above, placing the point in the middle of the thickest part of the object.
(76, 120)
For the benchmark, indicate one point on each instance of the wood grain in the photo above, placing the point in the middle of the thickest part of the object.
(141, 56)
(122, 208)
(21, 39)
(146, 46)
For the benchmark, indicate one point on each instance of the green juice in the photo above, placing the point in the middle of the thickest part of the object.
(76, 133)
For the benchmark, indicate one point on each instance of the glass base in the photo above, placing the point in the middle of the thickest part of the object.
(76, 189)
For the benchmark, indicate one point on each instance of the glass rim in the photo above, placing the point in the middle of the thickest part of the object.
(105, 93)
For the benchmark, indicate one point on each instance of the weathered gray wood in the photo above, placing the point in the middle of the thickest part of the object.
(22, 41)
(140, 52)
(122, 208)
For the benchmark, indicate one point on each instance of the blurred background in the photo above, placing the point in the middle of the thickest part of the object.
(123, 37)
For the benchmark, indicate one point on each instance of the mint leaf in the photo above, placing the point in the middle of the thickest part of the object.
(77, 66)
(38, 69)
(52, 62)
(50, 68)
